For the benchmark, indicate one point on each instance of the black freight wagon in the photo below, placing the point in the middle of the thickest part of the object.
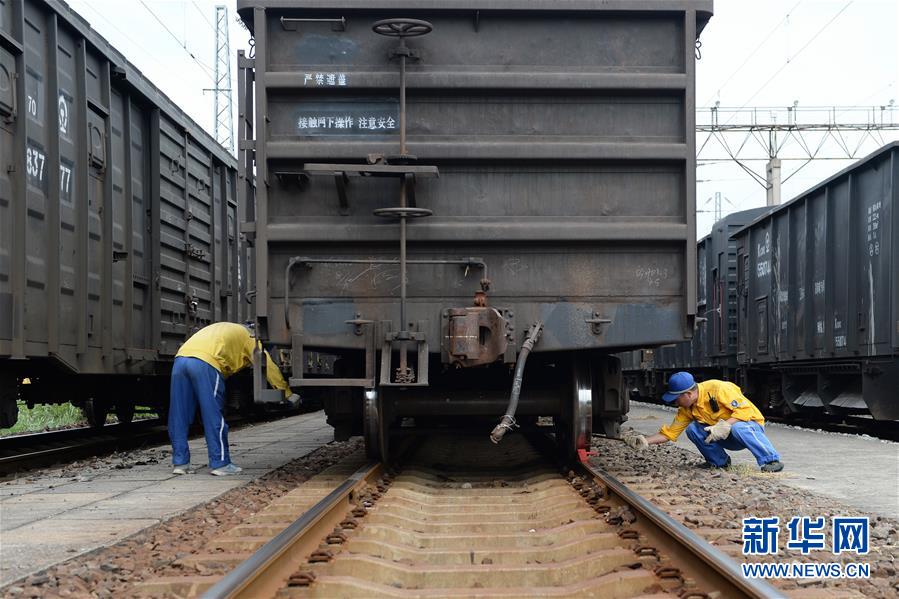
(438, 182)
(712, 353)
(818, 283)
(118, 221)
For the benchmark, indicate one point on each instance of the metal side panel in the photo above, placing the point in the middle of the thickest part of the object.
(817, 256)
(554, 153)
(140, 252)
(38, 132)
(894, 246)
(841, 289)
(8, 184)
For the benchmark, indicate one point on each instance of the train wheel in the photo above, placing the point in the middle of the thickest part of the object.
(375, 427)
(574, 426)
(95, 410)
(582, 404)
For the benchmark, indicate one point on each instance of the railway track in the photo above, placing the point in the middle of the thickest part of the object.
(26, 452)
(461, 517)
(23, 452)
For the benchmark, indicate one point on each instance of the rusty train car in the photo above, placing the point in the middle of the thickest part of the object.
(814, 308)
(118, 221)
(445, 190)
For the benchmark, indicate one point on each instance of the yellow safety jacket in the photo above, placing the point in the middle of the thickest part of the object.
(730, 403)
(228, 348)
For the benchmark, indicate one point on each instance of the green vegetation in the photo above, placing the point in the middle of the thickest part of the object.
(50, 417)
(743, 470)
(44, 417)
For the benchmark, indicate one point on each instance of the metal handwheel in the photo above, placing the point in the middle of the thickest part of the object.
(402, 27)
(402, 212)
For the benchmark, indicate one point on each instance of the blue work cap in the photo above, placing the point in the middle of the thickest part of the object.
(678, 383)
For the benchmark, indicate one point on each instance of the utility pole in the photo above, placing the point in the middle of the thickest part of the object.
(222, 107)
(791, 133)
(717, 207)
(772, 182)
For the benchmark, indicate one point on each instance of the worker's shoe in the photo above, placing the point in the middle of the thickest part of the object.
(775, 466)
(226, 470)
(711, 466)
(182, 469)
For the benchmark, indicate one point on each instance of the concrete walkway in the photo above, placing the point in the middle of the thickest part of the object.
(56, 514)
(862, 472)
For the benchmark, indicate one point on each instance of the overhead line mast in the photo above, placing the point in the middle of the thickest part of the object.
(222, 106)
(809, 128)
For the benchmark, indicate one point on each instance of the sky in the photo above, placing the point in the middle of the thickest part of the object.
(756, 54)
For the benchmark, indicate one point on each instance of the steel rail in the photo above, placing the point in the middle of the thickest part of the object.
(267, 570)
(714, 569)
(30, 451)
(22, 452)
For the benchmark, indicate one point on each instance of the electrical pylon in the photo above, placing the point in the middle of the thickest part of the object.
(224, 121)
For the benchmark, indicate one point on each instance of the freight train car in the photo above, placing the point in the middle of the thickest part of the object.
(712, 351)
(444, 189)
(118, 221)
(815, 308)
(818, 292)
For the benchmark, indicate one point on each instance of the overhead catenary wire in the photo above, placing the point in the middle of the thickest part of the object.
(202, 14)
(791, 58)
(206, 68)
(130, 39)
(753, 53)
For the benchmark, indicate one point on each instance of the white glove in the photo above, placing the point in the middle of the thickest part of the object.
(718, 431)
(294, 400)
(634, 439)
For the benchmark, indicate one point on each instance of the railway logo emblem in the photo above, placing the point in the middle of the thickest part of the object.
(63, 115)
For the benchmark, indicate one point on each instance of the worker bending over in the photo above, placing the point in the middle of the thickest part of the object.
(201, 366)
(716, 417)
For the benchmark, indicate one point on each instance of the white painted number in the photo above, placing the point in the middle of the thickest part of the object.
(34, 163)
(65, 179)
(652, 275)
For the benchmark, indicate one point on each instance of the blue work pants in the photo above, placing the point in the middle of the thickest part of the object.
(743, 435)
(196, 382)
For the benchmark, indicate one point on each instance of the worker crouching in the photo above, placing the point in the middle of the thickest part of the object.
(717, 417)
(201, 366)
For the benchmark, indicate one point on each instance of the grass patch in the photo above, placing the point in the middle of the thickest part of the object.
(44, 417)
(742, 469)
(48, 417)
(745, 470)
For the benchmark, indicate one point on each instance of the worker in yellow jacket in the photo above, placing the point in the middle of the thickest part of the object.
(716, 416)
(201, 366)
